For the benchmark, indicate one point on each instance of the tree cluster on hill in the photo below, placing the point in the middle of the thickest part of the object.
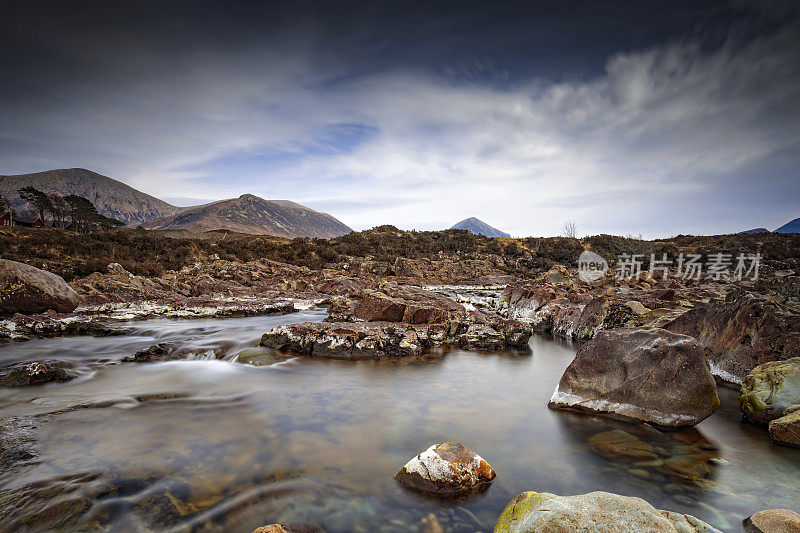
(80, 211)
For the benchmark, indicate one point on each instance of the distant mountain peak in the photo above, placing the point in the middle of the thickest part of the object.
(790, 227)
(479, 227)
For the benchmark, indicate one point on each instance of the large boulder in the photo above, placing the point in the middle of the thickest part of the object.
(741, 333)
(773, 521)
(786, 429)
(596, 512)
(649, 375)
(28, 290)
(447, 470)
(770, 389)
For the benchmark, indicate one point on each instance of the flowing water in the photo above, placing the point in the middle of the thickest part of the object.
(220, 446)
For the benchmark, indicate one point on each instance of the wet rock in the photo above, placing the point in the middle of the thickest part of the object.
(482, 337)
(17, 441)
(370, 340)
(35, 373)
(770, 389)
(621, 444)
(156, 352)
(786, 429)
(648, 375)
(288, 528)
(773, 521)
(741, 333)
(346, 340)
(600, 512)
(27, 290)
(447, 470)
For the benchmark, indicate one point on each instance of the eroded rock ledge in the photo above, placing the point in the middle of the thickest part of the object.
(371, 340)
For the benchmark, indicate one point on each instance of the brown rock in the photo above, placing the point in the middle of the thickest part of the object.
(741, 333)
(773, 521)
(447, 470)
(786, 430)
(28, 290)
(649, 375)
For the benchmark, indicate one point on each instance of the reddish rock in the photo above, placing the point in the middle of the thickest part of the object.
(741, 333)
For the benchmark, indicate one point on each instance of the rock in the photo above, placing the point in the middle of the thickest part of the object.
(156, 352)
(18, 437)
(370, 340)
(786, 429)
(741, 333)
(773, 521)
(398, 303)
(28, 290)
(600, 512)
(447, 470)
(482, 337)
(770, 389)
(620, 444)
(649, 375)
(22, 374)
(346, 340)
(637, 307)
(431, 524)
(288, 528)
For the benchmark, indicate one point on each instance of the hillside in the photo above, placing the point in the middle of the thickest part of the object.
(790, 227)
(479, 227)
(112, 198)
(256, 216)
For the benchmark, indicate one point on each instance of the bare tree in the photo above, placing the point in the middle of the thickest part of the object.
(570, 229)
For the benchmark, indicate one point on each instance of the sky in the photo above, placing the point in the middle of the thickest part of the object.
(650, 118)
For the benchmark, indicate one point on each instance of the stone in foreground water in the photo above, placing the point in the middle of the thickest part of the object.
(448, 470)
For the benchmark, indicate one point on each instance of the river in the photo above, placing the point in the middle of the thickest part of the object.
(213, 445)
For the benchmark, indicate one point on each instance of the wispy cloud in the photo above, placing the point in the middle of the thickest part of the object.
(655, 142)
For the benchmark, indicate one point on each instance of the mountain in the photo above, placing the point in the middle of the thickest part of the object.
(754, 230)
(478, 227)
(790, 227)
(112, 198)
(254, 215)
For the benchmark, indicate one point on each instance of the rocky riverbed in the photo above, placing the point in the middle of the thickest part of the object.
(653, 353)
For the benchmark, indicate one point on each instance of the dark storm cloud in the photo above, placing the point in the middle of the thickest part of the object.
(625, 116)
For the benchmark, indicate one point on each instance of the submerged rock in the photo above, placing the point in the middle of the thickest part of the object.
(600, 512)
(741, 333)
(773, 521)
(288, 528)
(28, 290)
(649, 375)
(770, 389)
(17, 441)
(447, 470)
(35, 373)
(786, 429)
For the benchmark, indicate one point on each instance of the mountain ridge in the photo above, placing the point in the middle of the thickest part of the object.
(111, 197)
(254, 215)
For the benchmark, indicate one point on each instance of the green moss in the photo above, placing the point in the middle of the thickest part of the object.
(519, 510)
